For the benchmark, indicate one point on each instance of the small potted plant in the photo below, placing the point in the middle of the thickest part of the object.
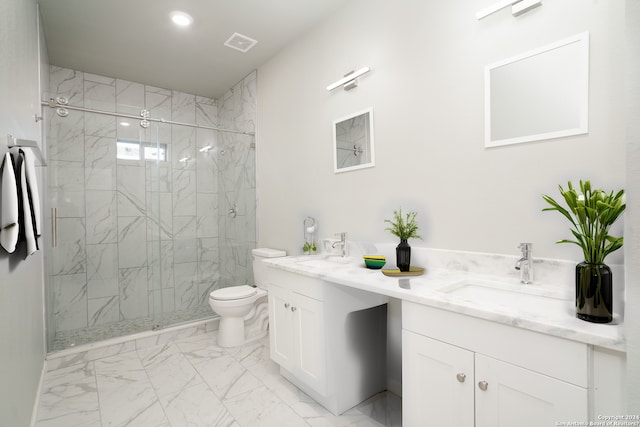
(309, 248)
(591, 213)
(309, 228)
(405, 228)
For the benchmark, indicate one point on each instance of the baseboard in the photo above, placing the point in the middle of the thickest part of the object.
(36, 403)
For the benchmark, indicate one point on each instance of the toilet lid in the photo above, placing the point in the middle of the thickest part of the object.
(233, 292)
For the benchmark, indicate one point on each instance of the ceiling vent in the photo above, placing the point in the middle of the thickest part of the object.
(240, 42)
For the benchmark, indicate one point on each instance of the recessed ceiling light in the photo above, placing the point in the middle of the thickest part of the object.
(181, 19)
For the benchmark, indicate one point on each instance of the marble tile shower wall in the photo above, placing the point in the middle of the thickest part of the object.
(237, 110)
(134, 236)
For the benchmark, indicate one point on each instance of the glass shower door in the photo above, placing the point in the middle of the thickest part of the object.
(102, 269)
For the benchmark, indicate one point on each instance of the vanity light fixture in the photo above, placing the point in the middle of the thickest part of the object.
(349, 80)
(181, 19)
(518, 7)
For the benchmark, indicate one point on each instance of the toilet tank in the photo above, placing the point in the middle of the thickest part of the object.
(259, 268)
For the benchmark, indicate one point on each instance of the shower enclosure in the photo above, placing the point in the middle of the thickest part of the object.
(151, 205)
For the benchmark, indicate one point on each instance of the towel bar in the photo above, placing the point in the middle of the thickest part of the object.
(19, 143)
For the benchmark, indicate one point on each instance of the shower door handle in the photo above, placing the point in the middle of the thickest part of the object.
(54, 227)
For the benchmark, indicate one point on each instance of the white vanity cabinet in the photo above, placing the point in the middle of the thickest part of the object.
(329, 340)
(297, 335)
(463, 371)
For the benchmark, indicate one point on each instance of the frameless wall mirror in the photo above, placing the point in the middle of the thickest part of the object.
(353, 142)
(541, 94)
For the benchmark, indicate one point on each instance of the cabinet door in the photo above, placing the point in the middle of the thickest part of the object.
(515, 396)
(281, 327)
(309, 341)
(437, 383)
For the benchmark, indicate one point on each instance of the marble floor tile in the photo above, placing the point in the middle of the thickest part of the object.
(189, 380)
(261, 407)
(69, 398)
(126, 395)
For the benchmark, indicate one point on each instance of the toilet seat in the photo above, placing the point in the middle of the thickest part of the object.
(233, 293)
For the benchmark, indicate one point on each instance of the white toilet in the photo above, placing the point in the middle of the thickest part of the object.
(235, 303)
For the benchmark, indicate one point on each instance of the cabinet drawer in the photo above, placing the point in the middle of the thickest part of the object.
(307, 286)
(560, 358)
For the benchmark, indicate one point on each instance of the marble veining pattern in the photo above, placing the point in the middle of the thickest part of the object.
(70, 398)
(184, 379)
(119, 218)
(129, 96)
(542, 306)
(99, 96)
(134, 300)
(99, 125)
(70, 298)
(67, 83)
(70, 255)
(102, 270)
(102, 225)
(103, 310)
(66, 137)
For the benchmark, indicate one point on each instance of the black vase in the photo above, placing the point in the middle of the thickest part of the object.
(403, 255)
(594, 293)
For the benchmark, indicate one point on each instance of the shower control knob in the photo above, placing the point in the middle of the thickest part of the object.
(461, 377)
(483, 385)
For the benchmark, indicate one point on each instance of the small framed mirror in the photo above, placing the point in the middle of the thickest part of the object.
(540, 94)
(353, 142)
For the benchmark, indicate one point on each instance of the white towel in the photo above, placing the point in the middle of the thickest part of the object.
(9, 227)
(30, 201)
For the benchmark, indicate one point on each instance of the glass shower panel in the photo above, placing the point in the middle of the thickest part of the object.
(206, 199)
(101, 274)
(188, 239)
(237, 212)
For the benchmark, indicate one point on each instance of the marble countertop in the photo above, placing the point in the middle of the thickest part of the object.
(540, 307)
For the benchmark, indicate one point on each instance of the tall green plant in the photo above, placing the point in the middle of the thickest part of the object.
(591, 213)
(404, 227)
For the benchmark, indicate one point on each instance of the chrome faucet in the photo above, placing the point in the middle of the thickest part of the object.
(342, 243)
(525, 263)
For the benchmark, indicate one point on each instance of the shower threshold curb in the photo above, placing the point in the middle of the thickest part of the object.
(206, 325)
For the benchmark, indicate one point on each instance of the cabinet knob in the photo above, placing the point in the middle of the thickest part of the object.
(483, 385)
(461, 377)
(293, 308)
(286, 305)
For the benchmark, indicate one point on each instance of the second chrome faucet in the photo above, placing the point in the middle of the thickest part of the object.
(525, 263)
(342, 243)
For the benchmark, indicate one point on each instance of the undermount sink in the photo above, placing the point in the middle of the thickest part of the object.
(325, 262)
(517, 296)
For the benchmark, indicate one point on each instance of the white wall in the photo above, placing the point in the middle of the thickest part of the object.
(632, 223)
(21, 303)
(426, 89)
